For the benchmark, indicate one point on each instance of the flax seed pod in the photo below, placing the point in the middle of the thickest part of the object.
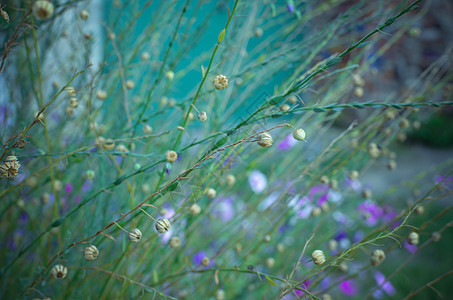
(122, 148)
(402, 136)
(170, 75)
(316, 212)
(69, 111)
(324, 179)
(205, 261)
(109, 144)
(373, 150)
(353, 175)
(220, 294)
(270, 262)
(367, 194)
(230, 179)
(163, 225)
(73, 102)
(130, 84)
(202, 116)
(358, 91)
(267, 238)
(292, 99)
(318, 257)
(343, 267)
(258, 32)
(135, 235)
(391, 165)
(332, 245)
(436, 236)
(43, 9)
(390, 115)
(89, 174)
(195, 209)
(404, 123)
(377, 257)
(10, 167)
(299, 134)
(265, 139)
(413, 238)
(91, 253)
(59, 271)
(285, 107)
(175, 242)
(84, 15)
(171, 156)
(358, 80)
(147, 129)
(211, 193)
(71, 91)
(220, 82)
(101, 95)
(145, 56)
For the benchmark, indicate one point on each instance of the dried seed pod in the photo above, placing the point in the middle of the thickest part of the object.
(358, 91)
(292, 99)
(270, 262)
(122, 148)
(326, 297)
(402, 136)
(147, 129)
(316, 212)
(332, 244)
(57, 185)
(135, 235)
(416, 125)
(73, 102)
(390, 115)
(101, 95)
(267, 238)
(391, 165)
(130, 84)
(91, 253)
(211, 193)
(109, 144)
(324, 179)
(195, 209)
(230, 179)
(220, 82)
(171, 156)
(358, 80)
(163, 225)
(145, 56)
(191, 116)
(265, 139)
(353, 175)
(59, 271)
(377, 257)
(112, 35)
(285, 107)
(205, 261)
(367, 194)
(373, 150)
(404, 123)
(258, 32)
(413, 238)
(343, 267)
(84, 15)
(202, 116)
(43, 9)
(4, 15)
(299, 134)
(220, 294)
(419, 210)
(170, 75)
(280, 247)
(318, 257)
(71, 91)
(175, 242)
(436, 236)
(69, 111)
(334, 184)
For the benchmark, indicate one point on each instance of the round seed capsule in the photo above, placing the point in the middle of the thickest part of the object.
(318, 257)
(220, 82)
(220, 295)
(377, 257)
(147, 129)
(358, 91)
(324, 179)
(205, 261)
(84, 15)
(211, 193)
(354, 175)
(413, 238)
(43, 9)
(258, 32)
(171, 156)
(101, 95)
(230, 179)
(175, 242)
(59, 271)
(195, 209)
(285, 107)
(170, 75)
(270, 262)
(267, 238)
(73, 102)
(163, 225)
(202, 116)
(265, 139)
(299, 134)
(145, 56)
(436, 236)
(71, 91)
(391, 165)
(316, 212)
(135, 235)
(91, 253)
(130, 84)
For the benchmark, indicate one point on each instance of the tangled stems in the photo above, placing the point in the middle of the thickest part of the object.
(205, 75)
(170, 186)
(330, 63)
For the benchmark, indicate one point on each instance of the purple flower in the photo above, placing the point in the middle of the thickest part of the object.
(411, 248)
(69, 188)
(199, 256)
(385, 285)
(348, 287)
(224, 209)
(291, 6)
(355, 185)
(257, 181)
(371, 211)
(86, 186)
(287, 143)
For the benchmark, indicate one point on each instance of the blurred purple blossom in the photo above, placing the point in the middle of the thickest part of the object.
(224, 209)
(385, 285)
(86, 186)
(371, 211)
(69, 188)
(348, 287)
(355, 185)
(411, 248)
(199, 256)
(257, 181)
(287, 143)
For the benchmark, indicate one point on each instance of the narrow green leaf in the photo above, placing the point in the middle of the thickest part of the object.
(203, 71)
(270, 280)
